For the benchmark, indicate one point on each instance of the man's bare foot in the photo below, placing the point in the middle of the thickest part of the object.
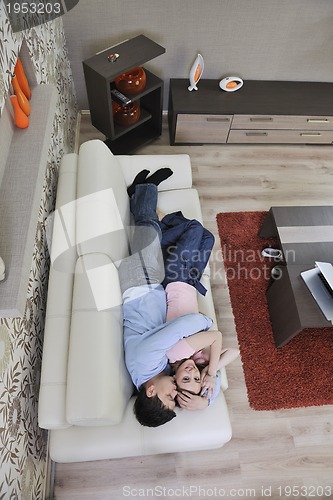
(160, 214)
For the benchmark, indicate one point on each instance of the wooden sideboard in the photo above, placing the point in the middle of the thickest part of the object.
(271, 112)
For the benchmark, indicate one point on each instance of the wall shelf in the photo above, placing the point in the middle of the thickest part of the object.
(20, 194)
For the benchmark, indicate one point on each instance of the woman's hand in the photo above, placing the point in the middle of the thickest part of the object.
(190, 401)
(202, 357)
(207, 383)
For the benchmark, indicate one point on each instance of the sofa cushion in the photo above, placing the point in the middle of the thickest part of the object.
(186, 200)
(102, 214)
(98, 384)
(61, 240)
(180, 164)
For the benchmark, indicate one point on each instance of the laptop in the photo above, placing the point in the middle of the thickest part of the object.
(319, 281)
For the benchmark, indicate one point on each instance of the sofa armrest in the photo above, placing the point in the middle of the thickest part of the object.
(189, 431)
(52, 394)
(180, 164)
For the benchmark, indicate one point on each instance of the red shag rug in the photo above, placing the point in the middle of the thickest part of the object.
(300, 373)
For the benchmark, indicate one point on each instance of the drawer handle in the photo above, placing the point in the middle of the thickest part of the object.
(310, 135)
(256, 133)
(261, 119)
(218, 119)
(317, 120)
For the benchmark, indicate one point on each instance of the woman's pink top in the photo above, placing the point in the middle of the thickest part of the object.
(181, 299)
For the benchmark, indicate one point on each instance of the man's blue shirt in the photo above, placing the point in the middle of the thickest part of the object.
(147, 337)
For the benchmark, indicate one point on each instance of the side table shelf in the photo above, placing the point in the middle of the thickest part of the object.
(100, 75)
(119, 130)
(261, 112)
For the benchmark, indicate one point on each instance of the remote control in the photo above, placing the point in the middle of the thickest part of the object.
(121, 98)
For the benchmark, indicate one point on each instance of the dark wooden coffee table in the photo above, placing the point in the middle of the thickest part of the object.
(305, 235)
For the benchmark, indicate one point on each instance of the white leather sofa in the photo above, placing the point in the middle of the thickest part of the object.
(86, 395)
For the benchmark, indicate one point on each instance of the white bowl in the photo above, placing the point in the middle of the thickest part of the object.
(231, 83)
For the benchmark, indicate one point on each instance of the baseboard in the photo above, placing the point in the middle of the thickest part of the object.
(77, 132)
(81, 125)
(87, 112)
(48, 493)
(50, 480)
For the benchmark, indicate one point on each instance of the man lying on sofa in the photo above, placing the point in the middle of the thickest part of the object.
(147, 337)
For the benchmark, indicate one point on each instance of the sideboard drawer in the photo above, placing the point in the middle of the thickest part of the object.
(198, 128)
(281, 136)
(282, 122)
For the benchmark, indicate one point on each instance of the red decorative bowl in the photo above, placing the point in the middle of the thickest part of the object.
(126, 115)
(132, 82)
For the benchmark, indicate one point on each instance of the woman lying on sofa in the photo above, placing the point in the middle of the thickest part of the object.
(196, 389)
(147, 337)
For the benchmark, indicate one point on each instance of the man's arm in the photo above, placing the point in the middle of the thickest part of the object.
(165, 336)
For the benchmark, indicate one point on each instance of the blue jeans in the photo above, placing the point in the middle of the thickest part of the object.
(187, 246)
(185, 243)
(145, 264)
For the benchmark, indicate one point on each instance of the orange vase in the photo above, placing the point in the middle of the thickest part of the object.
(126, 115)
(20, 118)
(22, 79)
(132, 82)
(22, 100)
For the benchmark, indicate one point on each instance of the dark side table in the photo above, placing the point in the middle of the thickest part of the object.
(100, 73)
(305, 235)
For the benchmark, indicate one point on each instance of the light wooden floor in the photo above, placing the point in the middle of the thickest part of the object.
(270, 450)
